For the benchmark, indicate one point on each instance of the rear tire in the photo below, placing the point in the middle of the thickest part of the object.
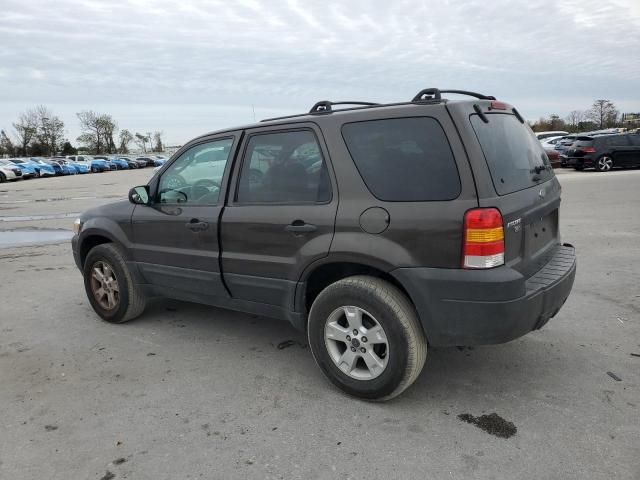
(374, 307)
(109, 285)
(604, 163)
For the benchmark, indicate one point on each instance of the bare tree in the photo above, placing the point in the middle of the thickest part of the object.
(125, 139)
(26, 128)
(575, 117)
(97, 131)
(157, 141)
(6, 145)
(603, 113)
(141, 141)
(50, 130)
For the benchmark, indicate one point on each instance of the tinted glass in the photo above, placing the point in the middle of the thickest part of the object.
(404, 159)
(635, 140)
(515, 157)
(616, 140)
(195, 177)
(285, 167)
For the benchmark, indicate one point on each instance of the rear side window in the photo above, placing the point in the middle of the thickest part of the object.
(635, 140)
(616, 141)
(404, 159)
(515, 157)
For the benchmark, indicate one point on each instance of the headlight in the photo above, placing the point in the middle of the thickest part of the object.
(77, 225)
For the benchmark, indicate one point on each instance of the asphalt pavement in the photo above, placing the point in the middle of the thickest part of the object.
(190, 392)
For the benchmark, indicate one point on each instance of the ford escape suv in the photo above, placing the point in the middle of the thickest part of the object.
(376, 229)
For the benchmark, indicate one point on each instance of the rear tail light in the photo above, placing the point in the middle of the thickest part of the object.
(588, 150)
(483, 238)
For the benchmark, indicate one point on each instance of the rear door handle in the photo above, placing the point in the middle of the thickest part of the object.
(299, 227)
(196, 225)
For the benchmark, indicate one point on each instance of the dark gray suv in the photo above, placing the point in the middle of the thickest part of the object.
(377, 229)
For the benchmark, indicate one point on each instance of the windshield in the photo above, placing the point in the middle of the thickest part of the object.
(514, 155)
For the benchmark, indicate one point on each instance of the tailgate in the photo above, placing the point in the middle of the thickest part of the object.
(519, 181)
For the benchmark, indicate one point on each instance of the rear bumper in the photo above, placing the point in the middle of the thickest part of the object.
(473, 307)
(578, 161)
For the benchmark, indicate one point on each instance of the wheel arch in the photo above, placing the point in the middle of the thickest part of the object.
(320, 276)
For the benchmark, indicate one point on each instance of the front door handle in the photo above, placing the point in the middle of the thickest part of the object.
(300, 227)
(196, 225)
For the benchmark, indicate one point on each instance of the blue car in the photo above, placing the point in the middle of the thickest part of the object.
(27, 170)
(56, 167)
(42, 168)
(119, 163)
(80, 167)
(94, 164)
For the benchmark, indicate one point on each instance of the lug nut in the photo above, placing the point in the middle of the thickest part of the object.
(348, 338)
(363, 350)
(364, 339)
(355, 332)
(353, 349)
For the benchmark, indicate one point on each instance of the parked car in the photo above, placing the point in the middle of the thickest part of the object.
(80, 167)
(94, 165)
(65, 166)
(444, 232)
(55, 165)
(555, 133)
(549, 143)
(9, 171)
(604, 152)
(142, 162)
(27, 169)
(554, 158)
(42, 168)
(132, 163)
(119, 163)
(149, 161)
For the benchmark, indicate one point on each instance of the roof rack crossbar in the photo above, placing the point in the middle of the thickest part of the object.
(325, 106)
(431, 94)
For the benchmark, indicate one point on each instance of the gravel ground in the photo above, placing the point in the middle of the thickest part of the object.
(189, 392)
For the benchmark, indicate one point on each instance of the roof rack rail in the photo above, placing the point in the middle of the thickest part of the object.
(431, 94)
(325, 106)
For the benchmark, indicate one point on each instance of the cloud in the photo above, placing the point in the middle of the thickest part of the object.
(283, 56)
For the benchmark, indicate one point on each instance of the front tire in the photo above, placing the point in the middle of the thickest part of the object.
(109, 285)
(366, 338)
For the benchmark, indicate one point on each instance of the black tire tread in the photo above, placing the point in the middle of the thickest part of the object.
(137, 300)
(405, 313)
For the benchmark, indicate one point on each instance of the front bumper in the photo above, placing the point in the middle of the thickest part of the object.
(480, 307)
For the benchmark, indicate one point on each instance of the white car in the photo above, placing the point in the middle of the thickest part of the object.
(549, 143)
(549, 134)
(8, 171)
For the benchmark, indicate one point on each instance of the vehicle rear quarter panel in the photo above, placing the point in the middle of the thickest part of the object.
(419, 233)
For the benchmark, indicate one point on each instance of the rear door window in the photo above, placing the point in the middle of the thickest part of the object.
(404, 159)
(617, 141)
(514, 155)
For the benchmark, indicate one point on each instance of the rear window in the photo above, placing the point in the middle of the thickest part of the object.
(583, 142)
(515, 157)
(404, 159)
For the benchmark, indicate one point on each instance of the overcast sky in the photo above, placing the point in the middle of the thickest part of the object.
(188, 67)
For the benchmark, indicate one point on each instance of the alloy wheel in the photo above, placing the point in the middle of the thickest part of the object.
(356, 342)
(605, 164)
(104, 285)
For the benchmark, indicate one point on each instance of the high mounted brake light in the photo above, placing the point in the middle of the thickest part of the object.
(483, 244)
(495, 105)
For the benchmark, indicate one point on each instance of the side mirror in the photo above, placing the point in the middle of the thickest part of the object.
(139, 195)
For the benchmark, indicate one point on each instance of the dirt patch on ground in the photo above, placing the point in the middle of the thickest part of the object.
(492, 423)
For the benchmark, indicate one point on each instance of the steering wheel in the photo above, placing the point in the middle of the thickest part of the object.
(203, 187)
(175, 182)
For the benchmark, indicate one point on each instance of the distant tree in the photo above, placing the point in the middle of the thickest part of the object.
(603, 113)
(50, 131)
(125, 139)
(157, 142)
(6, 145)
(141, 141)
(97, 132)
(68, 149)
(574, 120)
(26, 129)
